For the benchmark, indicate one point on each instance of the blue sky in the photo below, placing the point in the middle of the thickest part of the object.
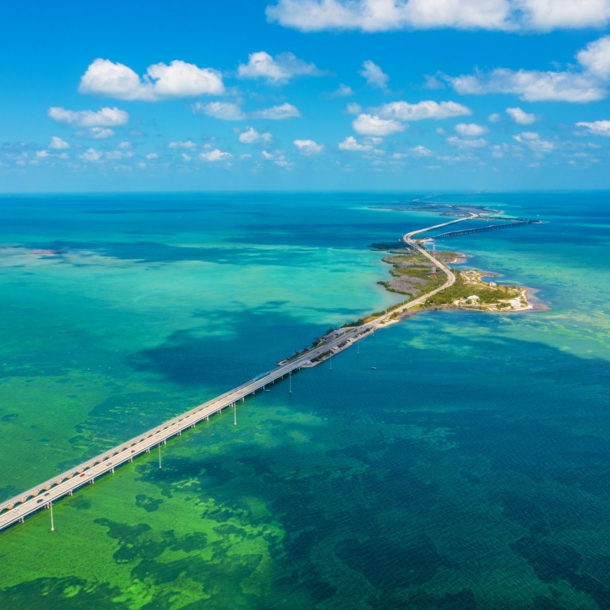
(305, 94)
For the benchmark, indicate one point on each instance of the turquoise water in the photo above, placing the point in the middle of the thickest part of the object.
(469, 470)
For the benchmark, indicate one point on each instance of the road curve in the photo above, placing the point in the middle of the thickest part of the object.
(43, 495)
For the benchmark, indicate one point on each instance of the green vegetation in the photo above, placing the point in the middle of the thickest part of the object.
(468, 284)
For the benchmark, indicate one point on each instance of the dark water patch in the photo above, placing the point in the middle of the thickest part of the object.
(157, 252)
(462, 600)
(69, 593)
(191, 357)
(150, 505)
(553, 563)
(387, 565)
(9, 417)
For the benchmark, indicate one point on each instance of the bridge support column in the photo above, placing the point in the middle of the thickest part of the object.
(52, 524)
(112, 470)
(70, 492)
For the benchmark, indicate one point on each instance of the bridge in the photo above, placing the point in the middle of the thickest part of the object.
(43, 495)
(510, 225)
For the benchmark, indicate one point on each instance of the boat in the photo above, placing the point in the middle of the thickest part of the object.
(373, 368)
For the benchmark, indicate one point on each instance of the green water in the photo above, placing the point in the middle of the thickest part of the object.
(469, 470)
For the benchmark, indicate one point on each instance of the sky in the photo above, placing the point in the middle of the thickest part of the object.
(304, 95)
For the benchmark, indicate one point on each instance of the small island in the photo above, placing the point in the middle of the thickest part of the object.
(414, 275)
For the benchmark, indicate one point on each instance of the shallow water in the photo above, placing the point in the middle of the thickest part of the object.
(469, 470)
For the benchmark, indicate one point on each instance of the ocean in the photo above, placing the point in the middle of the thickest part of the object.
(470, 469)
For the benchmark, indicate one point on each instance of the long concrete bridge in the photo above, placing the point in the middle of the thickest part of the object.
(45, 494)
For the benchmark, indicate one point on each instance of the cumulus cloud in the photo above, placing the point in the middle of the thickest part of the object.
(567, 14)
(470, 130)
(467, 143)
(308, 147)
(189, 145)
(533, 141)
(225, 111)
(599, 128)
(95, 133)
(533, 85)
(421, 151)
(230, 111)
(106, 117)
(494, 117)
(353, 108)
(276, 70)
(521, 117)
(595, 57)
(180, 79)
(341, 91)
(372, 125)
(374, 75)
(215, 155)
(586, 85)
(58, 144)
(152, 156)
(350, 143)
(404, 111)
(277, 113)
(91, 155)
(385, 15)
(251, 136)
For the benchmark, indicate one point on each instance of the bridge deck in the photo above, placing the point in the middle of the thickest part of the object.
(41, 496)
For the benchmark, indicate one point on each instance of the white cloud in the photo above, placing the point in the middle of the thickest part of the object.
(225, 111)
(521, 117)
(106, 117)
(468, 143)
(568, 14)
(350, 143)
(384, 15)
(470, 130)
(251, 136)
(534, 142)
(186, 157)
(95, 133)
(91, 155)
(277, 113)
(276, 70)
(58, 143)
(587, 85)
(152, 156)
(533, 85)
(404, 111)
(267, 156)
(189, 145)
(421, 151)
(246, 156)
(494, 117)
(215, 155)
(353, 108)
(599, 128)
(374, 75)
(118, 154)
(595, 57)
(308, 147)
(229, 111)
(179, 79)
(341, 91)
(371, 125)
(124, 145)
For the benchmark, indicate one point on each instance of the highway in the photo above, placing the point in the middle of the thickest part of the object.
(43, 495)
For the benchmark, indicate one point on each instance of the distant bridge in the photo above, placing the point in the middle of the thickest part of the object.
(510, 225)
